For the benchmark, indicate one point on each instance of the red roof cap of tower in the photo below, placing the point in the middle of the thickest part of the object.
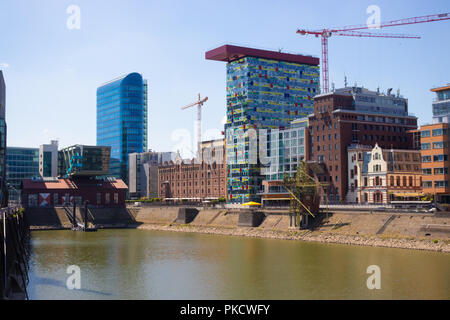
(229, 53)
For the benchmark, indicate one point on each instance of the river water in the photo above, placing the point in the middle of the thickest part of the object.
(143, 264)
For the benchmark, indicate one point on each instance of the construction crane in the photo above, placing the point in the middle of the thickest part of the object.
(199, 105)
(352, 31)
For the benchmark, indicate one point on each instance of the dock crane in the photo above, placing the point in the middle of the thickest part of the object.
(352, 31)
(304, 191)
(199, 105)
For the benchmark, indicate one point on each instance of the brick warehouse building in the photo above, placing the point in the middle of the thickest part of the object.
(355, 115)
(193, 181)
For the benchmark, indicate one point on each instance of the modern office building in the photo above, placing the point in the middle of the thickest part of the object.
(122, 120)
(143, 173)
(435, 151)
(377, 175)
(21, 163)
(82, 160)
(287, 148)
(265, 90)
(82, 178)
(2, 127)
(441, 104)
(48, 159)
(355, 115)
(192, 181)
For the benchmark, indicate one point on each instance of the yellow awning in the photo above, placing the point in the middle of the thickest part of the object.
(251, 203)
(411, 194)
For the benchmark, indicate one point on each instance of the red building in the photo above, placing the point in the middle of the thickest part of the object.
(52, 192)
(192, 181)
(355, 115)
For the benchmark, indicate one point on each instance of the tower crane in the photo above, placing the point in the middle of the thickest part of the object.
(199, 105)
(352, 31)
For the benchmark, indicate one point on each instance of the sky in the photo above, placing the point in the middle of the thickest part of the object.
(52, 71)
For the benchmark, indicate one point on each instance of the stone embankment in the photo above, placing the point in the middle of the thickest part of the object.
(391, 230)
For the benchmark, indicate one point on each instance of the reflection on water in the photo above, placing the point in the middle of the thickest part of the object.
(139, 264)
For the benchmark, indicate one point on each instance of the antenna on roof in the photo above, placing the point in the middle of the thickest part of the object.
(345, 81)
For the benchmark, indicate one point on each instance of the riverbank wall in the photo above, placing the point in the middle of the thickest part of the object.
(425, 231)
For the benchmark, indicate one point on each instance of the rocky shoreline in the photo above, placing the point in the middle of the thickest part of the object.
(301, 235)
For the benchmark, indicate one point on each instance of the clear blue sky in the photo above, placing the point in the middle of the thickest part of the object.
(52, 72)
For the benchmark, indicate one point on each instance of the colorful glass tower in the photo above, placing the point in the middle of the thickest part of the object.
(122, 120)
(265, 90)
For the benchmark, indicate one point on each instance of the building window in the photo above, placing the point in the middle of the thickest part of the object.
(439, 170)
(438, 145)
(439, 132)
(99, 199)
(116, 198)
(425, 133)
(55, 199)
(427, 184)
(441, 184)
(440, 157)
(107, 199)
(425, 146)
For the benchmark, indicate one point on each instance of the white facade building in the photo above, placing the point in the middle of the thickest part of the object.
(48, 159)
(380, 176)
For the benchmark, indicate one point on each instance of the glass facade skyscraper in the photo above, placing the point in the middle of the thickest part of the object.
(265, 90)
(122, 118)
(21, 163)
(2, 127)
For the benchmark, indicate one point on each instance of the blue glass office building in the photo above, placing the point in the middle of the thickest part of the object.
(21, 163)
(122, 120)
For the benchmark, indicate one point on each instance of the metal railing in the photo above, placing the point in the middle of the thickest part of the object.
(14, 237)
